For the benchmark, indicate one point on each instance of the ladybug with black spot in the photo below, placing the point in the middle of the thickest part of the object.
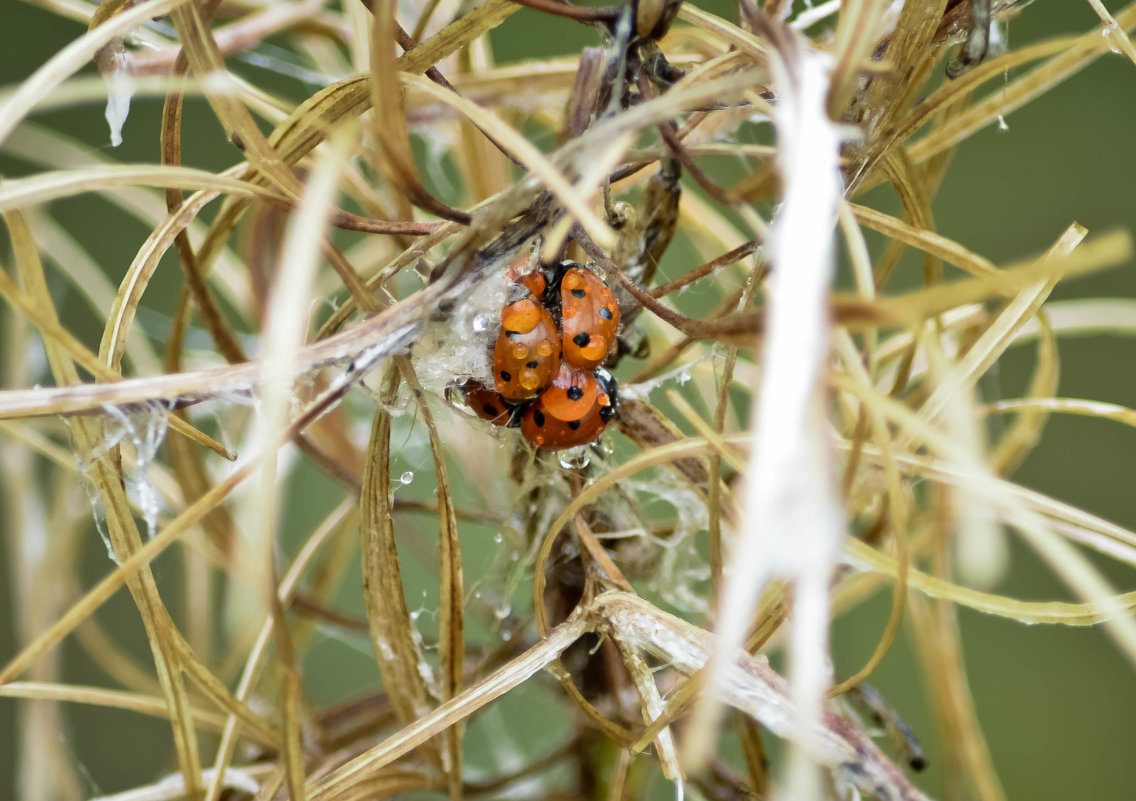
(574, 411)
(489, 405)
(589, 314)
(526, 355)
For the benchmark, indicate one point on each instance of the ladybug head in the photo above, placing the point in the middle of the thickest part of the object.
(611, 389)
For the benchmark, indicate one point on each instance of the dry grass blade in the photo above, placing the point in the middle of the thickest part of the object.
(1112, 30)
(927, 241)
(1066, 561)
(530, 157)
(898, 513)
(115, 699)
(857, 32)
(74, 57)
(138, 276)
(259, 650)
(453, 711)
(17, 193)
(451, 622)
(1090, 47)
(121, 528)
(1028, 612)
(748, 684)
(392, 636)
(652, 706)
(206, 61)
(1001, 331)
(396, 161)
(1107, 250)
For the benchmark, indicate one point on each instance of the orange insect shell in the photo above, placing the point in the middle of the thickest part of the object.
(589, 316)
(572, 394)
(527, 353)
(547, 430)
(488, 405)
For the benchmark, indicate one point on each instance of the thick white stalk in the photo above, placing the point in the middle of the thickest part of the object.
(792, 522)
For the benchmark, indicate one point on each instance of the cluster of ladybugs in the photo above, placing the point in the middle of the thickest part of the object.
(558, 327)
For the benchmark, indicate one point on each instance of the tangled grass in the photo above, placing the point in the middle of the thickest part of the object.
(783, 452)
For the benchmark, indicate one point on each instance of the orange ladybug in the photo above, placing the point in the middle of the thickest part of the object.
(489, 405)
(526, 355)
(589, 316)
(574, 411)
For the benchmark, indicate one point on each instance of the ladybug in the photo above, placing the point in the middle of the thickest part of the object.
(526, 355)
(589, 316)
(489, 405)
(573, 411)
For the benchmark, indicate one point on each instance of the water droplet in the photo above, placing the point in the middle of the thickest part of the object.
(406, 477)
(574, 458)
(506, 635)
(1002, 126)
(1112, 33)
(480, 323)
(502, 611)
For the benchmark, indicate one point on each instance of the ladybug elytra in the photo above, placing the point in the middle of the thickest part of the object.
(556, 422)
(589, 317)
(527, 353)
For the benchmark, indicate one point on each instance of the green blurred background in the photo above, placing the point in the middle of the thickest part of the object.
(1058, 705)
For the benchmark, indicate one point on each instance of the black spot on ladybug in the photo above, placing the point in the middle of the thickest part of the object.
(579, 293)
(574, 424)
(489, 408)
(505, 376)
(605, 313)
(582, 339)
(512, 334)
(532, 364)
(574, 393)
(606, 413)
(538, 417)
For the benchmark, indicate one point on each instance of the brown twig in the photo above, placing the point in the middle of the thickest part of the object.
(737, 254)
(606, 15)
